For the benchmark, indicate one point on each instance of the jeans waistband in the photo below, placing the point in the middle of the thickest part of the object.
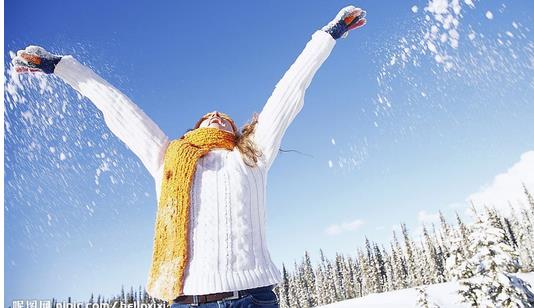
(261, 289)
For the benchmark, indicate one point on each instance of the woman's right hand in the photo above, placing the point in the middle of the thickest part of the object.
(35, 59)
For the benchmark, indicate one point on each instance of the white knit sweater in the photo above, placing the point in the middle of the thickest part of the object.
(228, 248)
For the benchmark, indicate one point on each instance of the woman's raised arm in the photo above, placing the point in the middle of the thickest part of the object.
(125, 119)
(287, 98)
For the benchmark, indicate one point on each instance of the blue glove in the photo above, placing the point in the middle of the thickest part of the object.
(35, 59)
(348, 18)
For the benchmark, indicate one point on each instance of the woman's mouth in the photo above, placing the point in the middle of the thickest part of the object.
(216, 120)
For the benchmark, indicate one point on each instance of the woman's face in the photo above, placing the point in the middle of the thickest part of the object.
(216, 120)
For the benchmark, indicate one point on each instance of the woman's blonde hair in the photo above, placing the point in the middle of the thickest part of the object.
(244, 141)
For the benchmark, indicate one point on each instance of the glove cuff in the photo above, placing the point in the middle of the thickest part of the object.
(48, 65)
(336, 30)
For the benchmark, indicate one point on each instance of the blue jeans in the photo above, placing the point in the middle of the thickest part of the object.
(262, 298)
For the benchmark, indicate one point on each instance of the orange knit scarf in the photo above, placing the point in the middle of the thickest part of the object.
(171, 239)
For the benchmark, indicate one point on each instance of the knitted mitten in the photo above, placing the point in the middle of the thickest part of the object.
(348, 18)
(35, 59)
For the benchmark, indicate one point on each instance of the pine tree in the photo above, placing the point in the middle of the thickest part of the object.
(320, 289)
(445, 231)
(357, 278)
(309, 277)
(414, 278)
(367, 286)
(348, 278)
(372, 274)
(388, 263)
(423, 300)
(284, 288)
(440, 257)
(530, 198)
(492, 263)
(380, 268)
(423, 264)
(328, 281)
(293, 296)
(510, 232)
(338, 278)
(434, 261)
(303, 289)
(400, 270)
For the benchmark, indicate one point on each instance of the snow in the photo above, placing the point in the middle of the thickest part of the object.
(53, 135)
(469, 3)
(415, 9)
(489, 15)
(443, 294)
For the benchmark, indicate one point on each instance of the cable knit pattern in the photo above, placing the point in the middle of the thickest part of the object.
(171, 239)
(228, 248)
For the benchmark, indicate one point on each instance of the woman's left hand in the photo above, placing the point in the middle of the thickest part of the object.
(347, 19)
(35, 59)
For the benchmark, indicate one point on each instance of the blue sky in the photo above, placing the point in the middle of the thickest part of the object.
(446, 135)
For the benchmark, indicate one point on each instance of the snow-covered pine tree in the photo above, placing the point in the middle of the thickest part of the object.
(510, 232)
(293, 292)
(329, 283)
(424, 264)
(492, 264)
(527, 248)
(320, 288)
(435, 266)
(458, 267)
(388, 263)
(414, 278)
(338, 277)
(463, 230)
(309, 277)
(301, 287)
(526, 239)
(380, 268)
(357, 278)
(131, 296)
(497, 220)
(372, 269)
(530, 198)
(348, 278)
(440, 256)
(367, 285)
(400, 270)
(423, 300)
(283, 288)
(445, 231)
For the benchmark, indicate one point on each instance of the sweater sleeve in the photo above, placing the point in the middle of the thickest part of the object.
(125, 119)
(287, 98)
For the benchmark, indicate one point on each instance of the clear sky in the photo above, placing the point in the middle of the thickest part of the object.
(80, 208)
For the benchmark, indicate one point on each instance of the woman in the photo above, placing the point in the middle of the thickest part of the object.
(209, 244)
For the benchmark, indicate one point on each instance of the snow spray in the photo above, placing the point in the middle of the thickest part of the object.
(425, 66)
